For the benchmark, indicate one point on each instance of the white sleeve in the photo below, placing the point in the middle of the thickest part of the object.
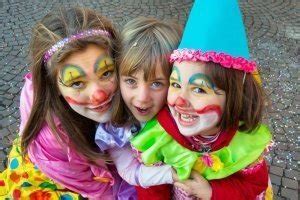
(135, 173)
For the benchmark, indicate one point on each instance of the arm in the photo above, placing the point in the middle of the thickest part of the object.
(63, 165)
(135, 173)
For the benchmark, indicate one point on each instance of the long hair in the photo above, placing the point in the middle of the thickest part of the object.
(47, 102)
(244, 100)
(147, 43)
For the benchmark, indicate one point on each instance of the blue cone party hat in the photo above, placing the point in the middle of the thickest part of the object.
(215, 32)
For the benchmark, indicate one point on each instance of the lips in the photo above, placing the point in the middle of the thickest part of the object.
(142, 110)
(186, 119)
(103, 106)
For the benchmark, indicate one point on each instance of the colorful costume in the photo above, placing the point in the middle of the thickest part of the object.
(51, 170)
(233, 163)
(160, 140)
(116, 142)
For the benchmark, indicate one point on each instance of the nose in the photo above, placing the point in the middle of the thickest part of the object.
(143, 94)
(98, 97)
(181, 102)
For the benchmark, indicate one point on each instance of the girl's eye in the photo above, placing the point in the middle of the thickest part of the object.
(130, 81)
(175, 85)
(199, 90)
(77, 85)
(107, 74)
(156, 84)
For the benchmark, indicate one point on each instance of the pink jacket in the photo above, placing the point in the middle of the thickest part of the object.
(62, 163)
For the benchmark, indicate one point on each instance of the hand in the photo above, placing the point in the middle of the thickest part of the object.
(196, 186)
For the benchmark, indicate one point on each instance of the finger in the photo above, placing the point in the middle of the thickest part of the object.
(197, 177)
(187, 182)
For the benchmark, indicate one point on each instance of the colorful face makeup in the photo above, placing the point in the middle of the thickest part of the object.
(144, 98)
(193, 101)
(88, 83)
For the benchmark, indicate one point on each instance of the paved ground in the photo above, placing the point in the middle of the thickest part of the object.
(274, 33)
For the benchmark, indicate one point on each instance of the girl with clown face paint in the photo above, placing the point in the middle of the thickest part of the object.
(69, 90)
(194, 101)
(211, 132)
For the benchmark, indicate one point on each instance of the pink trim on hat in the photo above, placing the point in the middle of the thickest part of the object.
(223, 59)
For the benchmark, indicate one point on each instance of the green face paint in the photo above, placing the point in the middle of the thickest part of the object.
(175, 75)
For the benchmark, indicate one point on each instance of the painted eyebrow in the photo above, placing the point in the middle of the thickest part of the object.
(78, 68)
(203, 77)
(99, 59)
(175, 68)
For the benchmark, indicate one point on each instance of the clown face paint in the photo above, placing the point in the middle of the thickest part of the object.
(193, 101)
(144, 98)
(87, 82)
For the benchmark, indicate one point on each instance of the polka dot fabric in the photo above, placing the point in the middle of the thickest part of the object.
(23, 180)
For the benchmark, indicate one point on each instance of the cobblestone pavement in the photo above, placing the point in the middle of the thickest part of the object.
(274, 32)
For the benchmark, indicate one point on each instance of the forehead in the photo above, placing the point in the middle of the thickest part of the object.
(85, 58)
(188, 68)
(147, 72)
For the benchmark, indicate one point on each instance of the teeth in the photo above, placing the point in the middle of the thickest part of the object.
(187, 118)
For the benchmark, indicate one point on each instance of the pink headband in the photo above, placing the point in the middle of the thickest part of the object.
(84, 34)
(223, 59)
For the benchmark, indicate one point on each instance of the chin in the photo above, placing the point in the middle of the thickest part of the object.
(192, 131)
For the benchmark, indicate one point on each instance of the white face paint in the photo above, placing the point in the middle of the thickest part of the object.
(88, 83)
(192, 99)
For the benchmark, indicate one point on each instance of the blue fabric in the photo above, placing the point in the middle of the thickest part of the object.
(107, 136)
(216, 25)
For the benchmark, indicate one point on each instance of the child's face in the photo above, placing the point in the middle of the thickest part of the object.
(144, 98)
(87, 81)
(193, 101)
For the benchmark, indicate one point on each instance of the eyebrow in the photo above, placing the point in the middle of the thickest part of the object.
(99, 59)
(201, 76)
(76, 68)
(175, 68)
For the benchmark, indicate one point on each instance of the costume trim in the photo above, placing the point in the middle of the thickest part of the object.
(225, 60)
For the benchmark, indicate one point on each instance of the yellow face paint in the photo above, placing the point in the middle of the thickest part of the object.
(174, 79)
(103, 65)
(70, 74)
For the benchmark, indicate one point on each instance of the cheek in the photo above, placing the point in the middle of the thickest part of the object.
(161, 97)
(79, 99)
(73, 96)
(172, 96)
(125, 93)
(112, 86)
(208, 104)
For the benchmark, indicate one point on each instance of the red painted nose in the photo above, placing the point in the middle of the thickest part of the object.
(181, 102)
(98, 97)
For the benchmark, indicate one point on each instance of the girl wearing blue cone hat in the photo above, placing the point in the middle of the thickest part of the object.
(213, 121)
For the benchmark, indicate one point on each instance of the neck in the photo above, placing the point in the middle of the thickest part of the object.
(210, 132)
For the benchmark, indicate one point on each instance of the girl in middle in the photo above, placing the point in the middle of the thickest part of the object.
(143, 71)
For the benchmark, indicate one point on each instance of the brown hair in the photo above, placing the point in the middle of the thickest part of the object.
(146, 44)
(244, 100)
(47, 102)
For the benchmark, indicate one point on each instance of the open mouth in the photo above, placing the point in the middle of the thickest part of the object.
(185, 118)
(142, 111)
